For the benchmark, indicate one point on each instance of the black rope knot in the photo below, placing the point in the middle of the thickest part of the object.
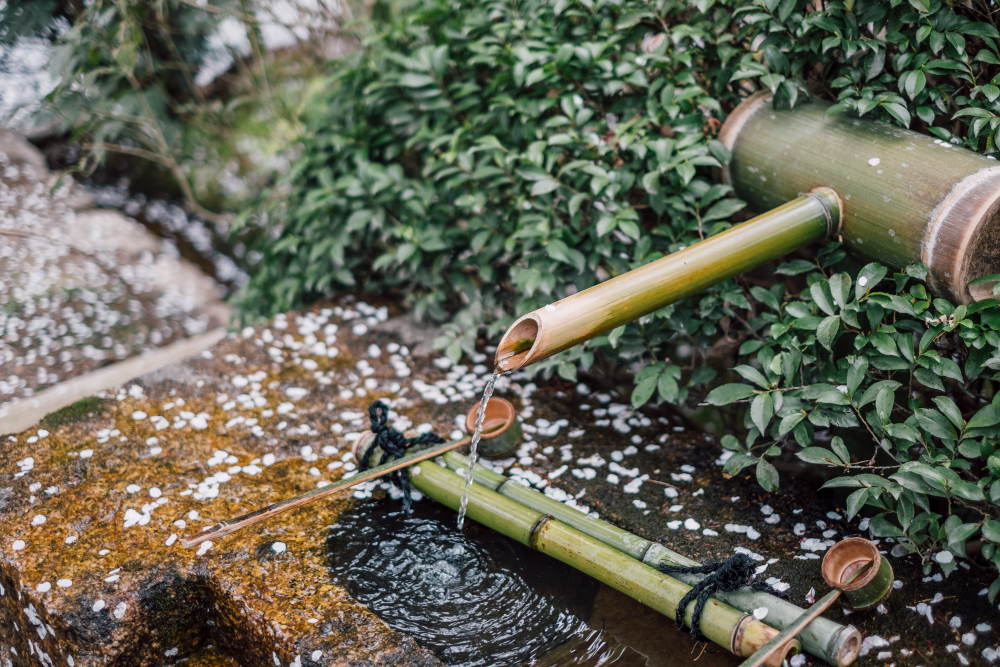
(394, 445)
(732, 574)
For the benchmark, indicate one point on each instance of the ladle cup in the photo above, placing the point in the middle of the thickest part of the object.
(852, 567)
(501, 428)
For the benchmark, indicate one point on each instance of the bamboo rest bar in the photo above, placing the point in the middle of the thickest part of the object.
(837, 644)
(622, 299)
(732, 629)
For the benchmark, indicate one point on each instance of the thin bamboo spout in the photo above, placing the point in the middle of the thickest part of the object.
(577, 318)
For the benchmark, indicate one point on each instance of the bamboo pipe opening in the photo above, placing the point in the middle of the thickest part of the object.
(790, 648)
(516, 346)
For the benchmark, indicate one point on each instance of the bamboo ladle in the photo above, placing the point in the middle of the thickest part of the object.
(493, 427)
(852, 567)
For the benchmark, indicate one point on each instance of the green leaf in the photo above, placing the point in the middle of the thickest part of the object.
(767, 475)
(544, 186)
(959, 535)
(872, 392)
(795, 267)
(753, 375)
(884, 403)
(723, 209)
(935, 423)
(991, 530)
(819, 456)
(414, 80)
(643, 391)
(729, 393)
(949, 410)
(856, 501)
(840, 288)
(884, 344)
(761, 411)
(668, 389)
(820, 292)
(986, 417)
(856, 374)
(738, 462)
(788, 422)
(868, 278)
(928, 379)
(837, 444)
(765, 297)
(827, 330)
(825, 393)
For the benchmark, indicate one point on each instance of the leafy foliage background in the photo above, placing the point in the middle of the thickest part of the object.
(486, 158)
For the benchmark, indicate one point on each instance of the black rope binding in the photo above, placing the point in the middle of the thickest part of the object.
(732, 574)
(394, 446)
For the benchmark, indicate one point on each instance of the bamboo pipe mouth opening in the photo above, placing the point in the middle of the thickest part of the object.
(790, 648)
(849, 648)
(739, 646)
(518, 344)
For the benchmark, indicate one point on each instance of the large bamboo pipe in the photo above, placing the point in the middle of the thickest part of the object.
(738, 632)
(837, 644)
(907, 196)
(580, 317)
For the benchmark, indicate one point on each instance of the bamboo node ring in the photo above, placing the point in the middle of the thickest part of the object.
(831, 226)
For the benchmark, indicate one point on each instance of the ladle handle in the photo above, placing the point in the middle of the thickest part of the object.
(232, 525)
(799, 624)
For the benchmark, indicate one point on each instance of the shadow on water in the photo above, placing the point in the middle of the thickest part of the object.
(478, 599)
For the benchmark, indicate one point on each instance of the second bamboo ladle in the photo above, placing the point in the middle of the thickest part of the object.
(853, 568)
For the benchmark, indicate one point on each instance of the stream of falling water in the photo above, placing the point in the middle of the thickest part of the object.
(474, 445)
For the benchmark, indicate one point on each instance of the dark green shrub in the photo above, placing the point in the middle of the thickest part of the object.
(486, 158)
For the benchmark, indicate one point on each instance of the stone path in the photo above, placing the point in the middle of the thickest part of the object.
(82, 288)
(93, 500)
(29, 411)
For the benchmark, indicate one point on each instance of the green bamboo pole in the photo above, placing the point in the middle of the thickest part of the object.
(835, 643)
(907, 196)
(734, 630)
(624, 298)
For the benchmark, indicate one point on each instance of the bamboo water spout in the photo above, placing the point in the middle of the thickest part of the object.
(577, 318)
(907, 196)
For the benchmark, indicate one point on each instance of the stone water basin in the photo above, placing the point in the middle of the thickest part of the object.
(93, 501)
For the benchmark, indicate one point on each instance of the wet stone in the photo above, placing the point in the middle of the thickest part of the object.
(119, 482)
